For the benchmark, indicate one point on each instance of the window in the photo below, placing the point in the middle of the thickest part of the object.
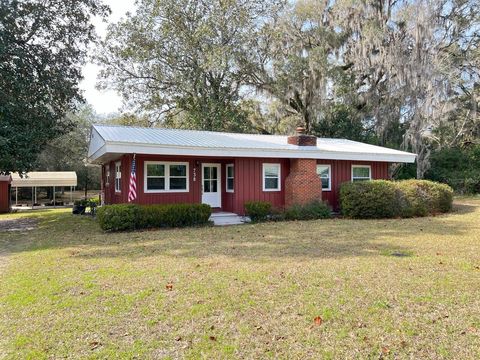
(361, 172)
(177, 176)
(230, 177)
(271, 177)
(155, 177)
(118, 176)
(324, 172)
(166, 177)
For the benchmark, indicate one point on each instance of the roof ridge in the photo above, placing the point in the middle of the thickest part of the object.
(206, 131)
(185, 130)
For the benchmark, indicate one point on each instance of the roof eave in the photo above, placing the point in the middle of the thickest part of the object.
(155, 149)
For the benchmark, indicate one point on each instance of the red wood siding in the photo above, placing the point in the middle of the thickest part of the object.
(247, 183)
(4, 196)
(342, 172)
(194, 176)
(192, 196)
(112, 196)
(228, 198)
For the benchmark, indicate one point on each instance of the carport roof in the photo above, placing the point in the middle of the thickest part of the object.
(45, 178)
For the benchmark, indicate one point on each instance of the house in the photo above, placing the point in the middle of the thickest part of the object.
(225, 170)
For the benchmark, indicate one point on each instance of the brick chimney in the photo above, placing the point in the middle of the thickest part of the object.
(302, 184)
(301, 139)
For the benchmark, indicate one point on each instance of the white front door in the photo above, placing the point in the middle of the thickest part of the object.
(211, 185)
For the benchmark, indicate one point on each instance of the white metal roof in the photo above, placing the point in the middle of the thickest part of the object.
(45, 178)
(107, 141)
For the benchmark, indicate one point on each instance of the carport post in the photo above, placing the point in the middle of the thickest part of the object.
(35, 194)
(33, 202)
(16, 195)
(71, 193)
(54, 205)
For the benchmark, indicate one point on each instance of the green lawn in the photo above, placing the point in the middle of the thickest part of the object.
(383, 289)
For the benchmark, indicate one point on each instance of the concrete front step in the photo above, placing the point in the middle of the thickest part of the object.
(224, 218)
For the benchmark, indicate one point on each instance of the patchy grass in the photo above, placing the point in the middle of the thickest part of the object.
(402, 288)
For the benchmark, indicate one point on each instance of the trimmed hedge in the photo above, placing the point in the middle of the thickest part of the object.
(423, 197)
(122, 217)
(387, 199)
(258, 210)
(262, 211)
(311, 211)
(368, 199)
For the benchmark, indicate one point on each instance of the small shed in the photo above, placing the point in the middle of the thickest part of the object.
(36, 179)
(5, 181)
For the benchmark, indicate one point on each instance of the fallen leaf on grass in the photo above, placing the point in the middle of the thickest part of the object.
(213, 338)
(94, 345)
(318, 321)
(169, 287)
(471, 329)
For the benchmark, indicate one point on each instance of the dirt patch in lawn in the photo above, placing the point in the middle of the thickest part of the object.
(25, 224)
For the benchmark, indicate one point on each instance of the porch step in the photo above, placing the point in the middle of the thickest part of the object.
(226, 218)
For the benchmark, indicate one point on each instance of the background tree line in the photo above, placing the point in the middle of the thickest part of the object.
(403, 74)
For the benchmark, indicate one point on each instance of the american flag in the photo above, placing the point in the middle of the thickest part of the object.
(132, 192)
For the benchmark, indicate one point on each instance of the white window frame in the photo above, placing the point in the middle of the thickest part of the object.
(107, 174)
(329, 176)
(227, 178)
(277, 165)
(167, 165)
(362, 166)
(118, 176)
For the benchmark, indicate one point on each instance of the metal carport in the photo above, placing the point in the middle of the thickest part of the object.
(36, 179)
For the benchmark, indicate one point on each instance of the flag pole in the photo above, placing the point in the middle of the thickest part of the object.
(132, 192)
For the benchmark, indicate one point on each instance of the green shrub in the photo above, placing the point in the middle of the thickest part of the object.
(368, 199)
(311, 211)
(174, 215)
(95, 200)
(118, 217)
(386, 199)
(410, 202)
(258, 210)
(128, 217)
(423, 197)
